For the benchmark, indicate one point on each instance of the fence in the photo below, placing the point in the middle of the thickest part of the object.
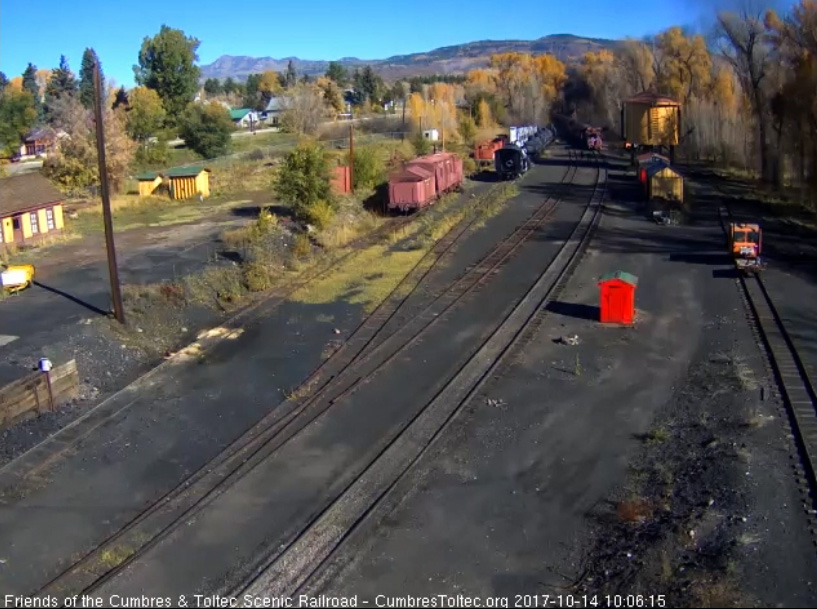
(32, 396)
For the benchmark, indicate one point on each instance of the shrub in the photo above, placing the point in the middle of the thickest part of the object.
(469, 166)
(421, 145)
(258, 277)
(217, 284)
(302, 246)
(206, 129)
(303, 180)
(320, 215)
(468, 130)
(370, 170)
(151, 155)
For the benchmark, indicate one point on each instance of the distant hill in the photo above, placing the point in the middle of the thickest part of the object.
(454, 59)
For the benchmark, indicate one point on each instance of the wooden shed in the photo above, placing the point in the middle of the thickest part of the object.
(649, 119)
(664, 182)
(188, 182)
(30, 209)
(148, 182)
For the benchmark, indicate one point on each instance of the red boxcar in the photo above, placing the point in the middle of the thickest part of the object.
(411, 188)
(444, 172)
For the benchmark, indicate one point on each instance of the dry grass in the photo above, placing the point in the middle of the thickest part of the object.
(112, 558)
(130, 212)
(12, 254)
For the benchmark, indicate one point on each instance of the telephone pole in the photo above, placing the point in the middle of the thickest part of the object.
(113, 271)
(351, 159)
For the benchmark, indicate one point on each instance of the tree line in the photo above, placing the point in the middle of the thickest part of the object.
(747, 89)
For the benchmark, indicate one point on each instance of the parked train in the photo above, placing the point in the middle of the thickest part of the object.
(424, 179)
(580, 134)
(511, 162)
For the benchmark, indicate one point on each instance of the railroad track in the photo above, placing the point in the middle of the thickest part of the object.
(368, 350)
(286, 571)
(790, 373)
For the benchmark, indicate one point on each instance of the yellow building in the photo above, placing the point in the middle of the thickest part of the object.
(664, 182)
(188, 182)
(30, 208)
(649, 119)
(148, 182)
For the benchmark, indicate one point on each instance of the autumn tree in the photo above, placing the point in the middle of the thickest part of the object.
(86, 78)
(332, 95)
(303, 109)
(167, 64)
(74, 166)
(145, 115)
(269, 85)
(207, 129)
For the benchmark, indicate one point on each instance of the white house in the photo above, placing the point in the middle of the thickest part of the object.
(271, 115)
(244, 117)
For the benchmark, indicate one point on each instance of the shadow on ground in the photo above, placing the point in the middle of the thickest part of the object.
(574, 309)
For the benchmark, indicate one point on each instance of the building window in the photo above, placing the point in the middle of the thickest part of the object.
(35, 228)
(49, 218)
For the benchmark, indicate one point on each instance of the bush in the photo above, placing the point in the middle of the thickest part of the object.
(370, 170)
(302, 246)
(206, 129)
(217, 284)
(469, 166)
(421, 145)
(302, 181)
(258, 277)
(320, 215)
(152, 155)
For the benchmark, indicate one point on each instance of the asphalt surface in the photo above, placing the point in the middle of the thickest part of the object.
(505, 504)
(182, 421)
(36, 321)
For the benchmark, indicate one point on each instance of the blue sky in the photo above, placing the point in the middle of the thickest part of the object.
(319, 29)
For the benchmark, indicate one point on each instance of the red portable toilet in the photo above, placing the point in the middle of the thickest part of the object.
(617, 298)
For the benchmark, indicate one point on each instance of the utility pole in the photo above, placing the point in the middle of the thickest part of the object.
(113, 271)
(403, 135)
(351, 158)
(442, 124)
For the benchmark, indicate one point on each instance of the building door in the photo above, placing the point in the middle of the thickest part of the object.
(17, 228)
(614, 308)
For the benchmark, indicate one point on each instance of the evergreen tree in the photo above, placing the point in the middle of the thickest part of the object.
(86, 78)
(212, 86)
(30, 81)
(4, 81)
(291, 76)
(61, 86)
(121, 98)
(167, 64)
(338, 73)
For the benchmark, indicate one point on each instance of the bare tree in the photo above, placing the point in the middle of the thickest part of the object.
(303, 109)
(743, 42)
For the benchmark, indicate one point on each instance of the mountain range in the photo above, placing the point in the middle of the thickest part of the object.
(455, 59)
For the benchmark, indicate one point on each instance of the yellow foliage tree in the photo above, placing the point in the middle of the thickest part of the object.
(270, 84)
(685, 64)
(486, 119)
(16, 83)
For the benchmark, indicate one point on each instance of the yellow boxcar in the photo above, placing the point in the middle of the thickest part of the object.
(652, 120)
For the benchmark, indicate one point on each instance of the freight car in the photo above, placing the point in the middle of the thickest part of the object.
(511, 162)
(424, 179)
